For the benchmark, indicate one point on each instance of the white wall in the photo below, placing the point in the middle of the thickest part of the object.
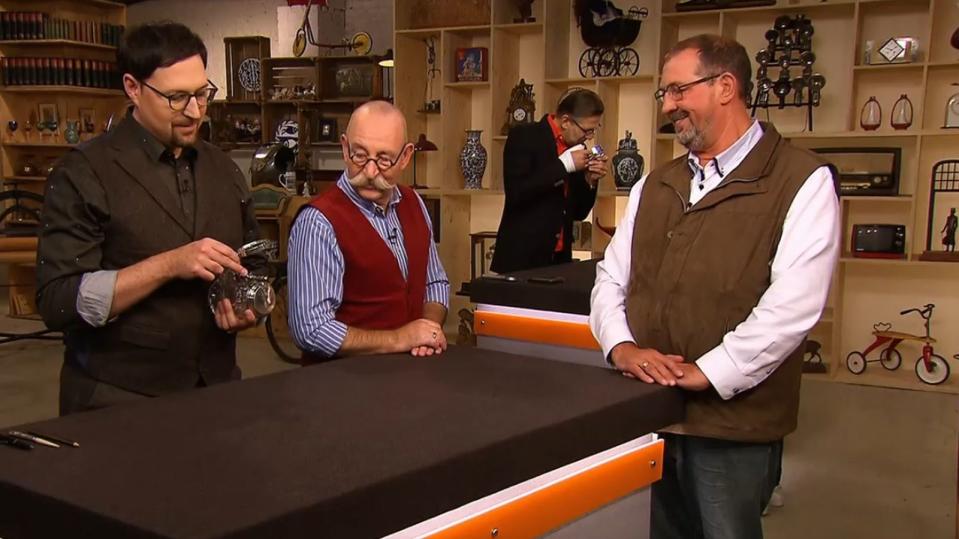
(374, 17)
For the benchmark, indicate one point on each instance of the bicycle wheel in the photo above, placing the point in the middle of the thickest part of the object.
(277, 327)
(937, 373)
(628, 62)
(856, 362)
(586, 63)
(890, 358)
(605, 65)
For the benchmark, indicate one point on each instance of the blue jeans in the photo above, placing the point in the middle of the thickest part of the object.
(713, 489)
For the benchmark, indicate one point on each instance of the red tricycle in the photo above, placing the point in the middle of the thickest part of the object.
(931, 368)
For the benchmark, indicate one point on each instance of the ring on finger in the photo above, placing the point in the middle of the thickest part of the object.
(644, 365)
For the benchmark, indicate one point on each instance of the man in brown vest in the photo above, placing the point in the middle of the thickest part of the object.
(136, 222)
(719, 269)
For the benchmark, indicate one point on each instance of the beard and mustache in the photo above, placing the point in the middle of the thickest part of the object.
(693, 137)
(378, 182)
(185, 141)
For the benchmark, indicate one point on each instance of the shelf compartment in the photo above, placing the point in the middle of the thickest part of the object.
(81, 90)
(56, 43)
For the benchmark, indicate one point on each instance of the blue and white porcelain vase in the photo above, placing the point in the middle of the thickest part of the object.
(473, 160)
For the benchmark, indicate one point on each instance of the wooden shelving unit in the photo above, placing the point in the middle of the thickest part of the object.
(546, 54)
(21, 103)
(306, 112)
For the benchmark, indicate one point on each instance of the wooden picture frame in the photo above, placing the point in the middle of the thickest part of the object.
(327, 130)
(472, 64)
(88, 120)
(46, 115)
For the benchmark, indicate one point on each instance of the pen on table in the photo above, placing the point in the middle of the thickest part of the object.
(15, 442)
(61, 441)
(32, 438)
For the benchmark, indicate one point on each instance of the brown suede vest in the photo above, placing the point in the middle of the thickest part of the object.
(698, 272)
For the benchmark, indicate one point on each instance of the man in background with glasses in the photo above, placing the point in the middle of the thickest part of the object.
(550, 178)
(716, 274)
(136, 223)
(364, 274)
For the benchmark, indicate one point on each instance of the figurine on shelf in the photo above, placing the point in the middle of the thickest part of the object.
(28, 126)
(943, 184)
(525, 8)
(949, 231)
(12, 127)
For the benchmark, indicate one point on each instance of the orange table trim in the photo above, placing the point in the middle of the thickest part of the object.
(547, 509)
(540, 330)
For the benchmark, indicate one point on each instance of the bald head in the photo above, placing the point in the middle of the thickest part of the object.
(379, 116)
(375, 150)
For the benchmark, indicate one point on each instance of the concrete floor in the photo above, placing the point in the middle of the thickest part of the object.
(865, 462)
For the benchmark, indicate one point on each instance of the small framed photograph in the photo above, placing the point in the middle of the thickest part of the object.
(88, 120)
(472, 64)
(326, 130)
(48, 117)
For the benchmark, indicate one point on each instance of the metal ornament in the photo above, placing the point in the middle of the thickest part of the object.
(788, 46)
(430, 105)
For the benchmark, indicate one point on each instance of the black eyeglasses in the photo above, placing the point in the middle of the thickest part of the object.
(587, 132)
(676, 91)
(383, 162)
(180, 100)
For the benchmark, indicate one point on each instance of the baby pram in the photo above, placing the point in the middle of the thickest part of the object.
(609, 32)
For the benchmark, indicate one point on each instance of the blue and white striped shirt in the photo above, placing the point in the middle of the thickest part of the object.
(315, 269)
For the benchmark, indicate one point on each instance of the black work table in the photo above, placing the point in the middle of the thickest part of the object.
(359, 447)
(569, 296)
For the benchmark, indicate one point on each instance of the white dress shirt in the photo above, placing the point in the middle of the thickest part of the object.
(801, 273)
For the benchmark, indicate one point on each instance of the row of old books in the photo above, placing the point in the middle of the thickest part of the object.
(59, 72)
(28, 25)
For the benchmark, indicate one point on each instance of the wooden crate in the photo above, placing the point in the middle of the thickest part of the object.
(239, 50)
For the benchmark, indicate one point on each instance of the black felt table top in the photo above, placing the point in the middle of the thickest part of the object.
(359, 447)
(569, 296)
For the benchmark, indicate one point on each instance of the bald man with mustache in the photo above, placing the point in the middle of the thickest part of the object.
(364, 274)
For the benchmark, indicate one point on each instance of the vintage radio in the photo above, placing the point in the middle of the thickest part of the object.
(865, 171)
(879, 241)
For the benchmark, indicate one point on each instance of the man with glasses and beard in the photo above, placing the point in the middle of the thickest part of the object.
(135, 224)
(550, 179)
(364, 274)
(716, 274)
